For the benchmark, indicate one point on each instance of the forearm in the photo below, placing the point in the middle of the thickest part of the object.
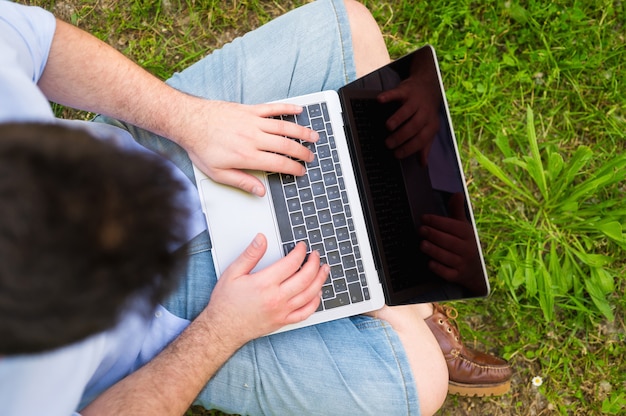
(169, 383)
(86, 73)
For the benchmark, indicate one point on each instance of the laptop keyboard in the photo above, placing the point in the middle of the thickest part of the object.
(314, 208)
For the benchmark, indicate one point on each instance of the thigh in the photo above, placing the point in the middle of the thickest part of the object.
(306, 50)
(354, 366)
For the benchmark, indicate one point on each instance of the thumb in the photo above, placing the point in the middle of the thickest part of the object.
(249, 258)
(241, 180)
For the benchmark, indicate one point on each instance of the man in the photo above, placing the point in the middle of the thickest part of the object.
(206, 343)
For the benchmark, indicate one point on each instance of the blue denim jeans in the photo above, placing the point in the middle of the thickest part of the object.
(348, 366)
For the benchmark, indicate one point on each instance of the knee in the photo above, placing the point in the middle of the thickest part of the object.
(370, 51)
(361, 20)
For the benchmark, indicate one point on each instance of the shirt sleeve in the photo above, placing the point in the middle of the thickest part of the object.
(29, 30)
(26, 35)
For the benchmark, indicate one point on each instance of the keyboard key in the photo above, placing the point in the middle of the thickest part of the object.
(345, 247)
(318, 188)
(343, 235)
(333, 192)
(339, 220)
(363, 279)
(293, 204)
(327, 229)
(321, 202)
(330, 244)
(324, 216)
(311, 222)
(296, 218)
(341, 300)
(299, 233)
(319, 248)
(356, 295)
(315, 175)
(328, 292)
(278, 198)
(333, 257)
(352, 275)
(317, 124)
(330, 179)
(324, 108)
(290, 191)
(327, 165)
(366, 293)
(287, 247)
(308, 208)
(315, 110)
(348, 261)
(336, 206)
(302, 181)
(340, 285)
(303, 118)
(315, 236)
(323, 151)
(336, 272)
(306, 195)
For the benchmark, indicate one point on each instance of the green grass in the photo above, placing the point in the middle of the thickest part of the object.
(536, 91)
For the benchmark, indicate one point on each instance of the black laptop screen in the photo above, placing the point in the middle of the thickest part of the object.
(408, 171)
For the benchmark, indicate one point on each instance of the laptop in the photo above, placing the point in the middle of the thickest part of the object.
(362, 205)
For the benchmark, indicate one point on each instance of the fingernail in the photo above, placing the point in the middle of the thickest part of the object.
(256, 243)
(256, 190)
(314, 136)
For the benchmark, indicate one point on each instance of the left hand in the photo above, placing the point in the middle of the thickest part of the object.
(223, 139)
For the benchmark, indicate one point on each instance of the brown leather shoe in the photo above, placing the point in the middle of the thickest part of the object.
(472, 373)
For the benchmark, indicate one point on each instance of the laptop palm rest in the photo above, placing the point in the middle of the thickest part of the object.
(250, 215)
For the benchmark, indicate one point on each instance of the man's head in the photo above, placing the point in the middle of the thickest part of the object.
(84, 227)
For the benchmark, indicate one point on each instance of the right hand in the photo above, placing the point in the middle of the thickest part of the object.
(249, 305)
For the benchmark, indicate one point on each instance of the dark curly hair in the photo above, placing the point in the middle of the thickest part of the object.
(85, 227)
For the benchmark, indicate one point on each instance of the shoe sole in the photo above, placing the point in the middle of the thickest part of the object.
(478, 390)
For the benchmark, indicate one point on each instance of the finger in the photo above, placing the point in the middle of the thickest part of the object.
(396, 94)
(442, 238)
(412, 146)
(403, 115)
(305, 311)
(304, 278)
(250, 257)
(289, 129)
(446, 273)
(284, 268)
(447, 225)
(411, 129)
(286, 141)
(306, 302)
(272, 162)
(239, 179)
(276, 109)
(440, 254)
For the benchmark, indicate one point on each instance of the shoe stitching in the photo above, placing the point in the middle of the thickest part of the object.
(457, 355)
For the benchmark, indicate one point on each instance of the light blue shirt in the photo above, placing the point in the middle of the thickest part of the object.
(60, 382)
